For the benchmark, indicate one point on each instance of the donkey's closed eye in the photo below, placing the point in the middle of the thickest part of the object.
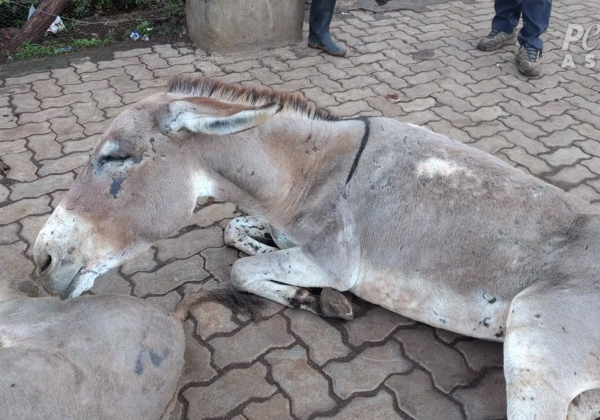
(113, 158)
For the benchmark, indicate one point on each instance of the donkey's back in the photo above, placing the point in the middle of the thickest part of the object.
(441, 224)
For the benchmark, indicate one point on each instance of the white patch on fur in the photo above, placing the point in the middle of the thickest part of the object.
(203, 185)
(108, 148)
(433, 167)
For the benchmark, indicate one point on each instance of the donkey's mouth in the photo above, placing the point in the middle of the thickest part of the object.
(60, 285)
(72, 287)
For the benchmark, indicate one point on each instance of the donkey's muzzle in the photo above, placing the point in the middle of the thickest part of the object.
(57, 271)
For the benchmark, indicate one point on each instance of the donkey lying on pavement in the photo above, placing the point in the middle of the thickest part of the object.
(400, 216)
(93, 357)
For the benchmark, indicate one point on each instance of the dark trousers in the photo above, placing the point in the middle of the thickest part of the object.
(536, 18)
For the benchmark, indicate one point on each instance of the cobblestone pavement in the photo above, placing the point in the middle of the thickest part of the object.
(288, 364)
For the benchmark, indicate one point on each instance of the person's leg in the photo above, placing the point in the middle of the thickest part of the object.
(321, 13)
(504, 25)
(536, 19)
(508, 13)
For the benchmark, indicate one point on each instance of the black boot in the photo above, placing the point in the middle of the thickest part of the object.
(321, 12)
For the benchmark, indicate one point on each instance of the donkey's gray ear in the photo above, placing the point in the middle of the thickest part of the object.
(210, 116)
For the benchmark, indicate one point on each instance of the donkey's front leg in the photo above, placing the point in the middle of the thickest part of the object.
(282, 276)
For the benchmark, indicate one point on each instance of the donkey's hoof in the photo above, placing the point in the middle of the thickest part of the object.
(335, 305)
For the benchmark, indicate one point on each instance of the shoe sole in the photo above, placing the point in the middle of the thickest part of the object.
(320, 47)
(484, 47)
(526, 73)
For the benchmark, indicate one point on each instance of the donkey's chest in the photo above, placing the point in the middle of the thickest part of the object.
(432, 302)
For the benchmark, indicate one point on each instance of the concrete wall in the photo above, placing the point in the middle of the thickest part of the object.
(242, 25)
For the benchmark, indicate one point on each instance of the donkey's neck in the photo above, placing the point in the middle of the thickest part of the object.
(281, 167)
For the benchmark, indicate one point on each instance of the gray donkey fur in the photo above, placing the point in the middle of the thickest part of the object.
(398, 215)
(94, 357)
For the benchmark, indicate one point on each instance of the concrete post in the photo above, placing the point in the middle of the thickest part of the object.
(242, 25)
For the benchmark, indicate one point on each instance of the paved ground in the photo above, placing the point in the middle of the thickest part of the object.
(290, 364)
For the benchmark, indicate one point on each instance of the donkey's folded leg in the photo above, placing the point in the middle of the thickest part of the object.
(282, 276)
(551, 347)
(249, 234)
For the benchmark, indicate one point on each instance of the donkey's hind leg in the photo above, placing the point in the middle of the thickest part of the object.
(552, 348)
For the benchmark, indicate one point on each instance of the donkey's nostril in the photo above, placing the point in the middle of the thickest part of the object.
(44, 262)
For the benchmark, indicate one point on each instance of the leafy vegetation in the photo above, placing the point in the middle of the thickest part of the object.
(86, 26)
(50, 48)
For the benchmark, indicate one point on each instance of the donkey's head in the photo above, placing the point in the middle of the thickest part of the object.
(140, 184)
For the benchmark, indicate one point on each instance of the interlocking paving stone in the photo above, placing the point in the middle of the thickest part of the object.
(42, 186)
(324, 341)
(417, 397)
(142, 262)
(197, 358)
(190, 243)
(565, 156)
(487, 400)
(293, 373)
(169, 277)
(367, 370)
(15, 266)
(445, 364)
(85, 144)
(64, 164)
(66, 128)
(22, 168)
(213, 318)
(563, 138)
(168, 302)
(213, 213)
(481, 354)
(9, 234)
(219, 261)
(64, 100)
(375, 326)
(574, 175)
(223, 395)
(15, 146)
(586, 193)
(24, 208)
(4, 193)
(250, 342)
(277, 407)
(111, 282)
(21, 131)
(381, 406)
(44, 115)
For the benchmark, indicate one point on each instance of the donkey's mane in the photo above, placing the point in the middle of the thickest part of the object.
(292, 104)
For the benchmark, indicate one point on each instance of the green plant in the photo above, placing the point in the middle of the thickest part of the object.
(81, 8)
(80, 44)
(172, 8)
(143, 28)
(29, 50)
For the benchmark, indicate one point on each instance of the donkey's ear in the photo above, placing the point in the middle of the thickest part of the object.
(211, 116)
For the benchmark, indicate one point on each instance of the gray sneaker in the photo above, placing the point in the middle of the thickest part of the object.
(496, 39)
(527, 60)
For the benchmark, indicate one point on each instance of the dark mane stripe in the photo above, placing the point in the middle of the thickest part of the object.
(292, 103)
